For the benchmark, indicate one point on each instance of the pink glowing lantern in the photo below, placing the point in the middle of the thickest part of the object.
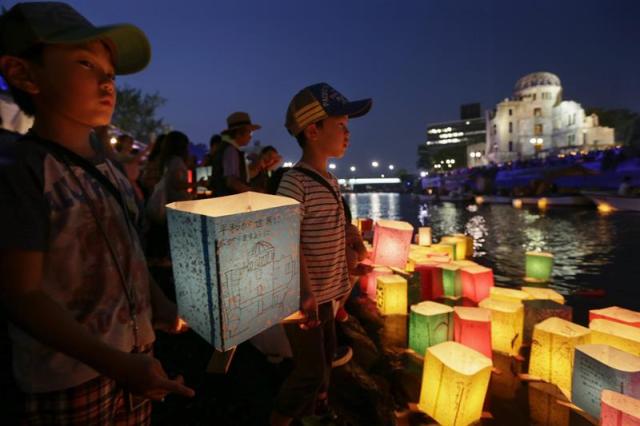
(476, 282)
(619, 409)
(391, 240)
(617, 314)
(472, 328)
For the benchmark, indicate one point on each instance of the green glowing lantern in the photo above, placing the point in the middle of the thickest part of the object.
(430, 323)
(538, 266)
(451, 280)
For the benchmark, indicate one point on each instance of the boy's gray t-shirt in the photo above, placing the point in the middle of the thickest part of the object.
(42, 208)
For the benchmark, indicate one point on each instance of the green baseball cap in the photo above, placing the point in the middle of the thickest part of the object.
(28, 24)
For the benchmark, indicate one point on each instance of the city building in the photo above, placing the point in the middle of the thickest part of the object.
(449, 144)
(537, 122)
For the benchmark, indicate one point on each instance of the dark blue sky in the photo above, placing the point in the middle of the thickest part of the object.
(419, 60)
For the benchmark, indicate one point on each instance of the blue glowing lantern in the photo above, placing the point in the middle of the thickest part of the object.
(235, 264)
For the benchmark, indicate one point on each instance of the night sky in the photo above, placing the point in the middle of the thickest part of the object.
(419, 60)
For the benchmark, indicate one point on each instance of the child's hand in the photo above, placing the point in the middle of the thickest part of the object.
(309, 308)
(143, 375)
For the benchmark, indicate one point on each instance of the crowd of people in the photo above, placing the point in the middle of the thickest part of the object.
(81, 220)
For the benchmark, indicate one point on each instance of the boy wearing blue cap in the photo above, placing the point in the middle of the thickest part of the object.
(75, 284)
(317, 117)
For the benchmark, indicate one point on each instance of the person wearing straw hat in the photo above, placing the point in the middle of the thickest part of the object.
(75, 284)
(231, 174)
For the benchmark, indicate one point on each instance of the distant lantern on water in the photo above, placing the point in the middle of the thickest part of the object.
(538, 266)
(619, 409)
(451, 283)
(391, 240)
(477, 282)
(507, 320)
(472, 328)
(391, 295)
(536, 311)
(537, 293)
(460, 242)
(508, 294)
(454, 384)
(599, 367)
(617, 314)
(430, 323)
(554, 341)
(618, 335)
(424, 236)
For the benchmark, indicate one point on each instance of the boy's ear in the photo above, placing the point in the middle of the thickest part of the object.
(311, 132)
(18, 74)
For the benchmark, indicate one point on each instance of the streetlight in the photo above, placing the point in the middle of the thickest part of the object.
(374, 164)
(113, 140)
(332, 166)
(352, 168)
(423, 174)
(391, 167)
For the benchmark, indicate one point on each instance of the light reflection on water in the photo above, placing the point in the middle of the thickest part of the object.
(591, 250)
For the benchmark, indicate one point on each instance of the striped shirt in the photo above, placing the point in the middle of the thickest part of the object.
(322, 237)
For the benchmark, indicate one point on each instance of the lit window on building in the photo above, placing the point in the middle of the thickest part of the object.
(538, 129)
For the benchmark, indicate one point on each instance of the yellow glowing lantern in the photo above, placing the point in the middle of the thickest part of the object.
(554, 341)
(619, 409)
(424, 236)
(472, 328)
(508, 294)
(465, 263)
(543, 203)
(477, 282)
(543, 405)
(537, 293)
(391, 240)
(617, 314)
(369, 282)
(460, 243)
(454, 384)
(451, 283)
(618, 335)
(391, 294)
(605, 208)
(446, 249)
(517, 203)
(430, 323)
(507, 320)
(468, 246)
(538, 266)
(599, 367)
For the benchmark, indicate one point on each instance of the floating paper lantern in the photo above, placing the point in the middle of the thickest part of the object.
(424, 236)
(508, 294)
(391, 240)
(537, 293)
(451, 282)
(543, 405)
(618, 335)
(369, 282)
(430, 279)
(472, 328)
(538, 266)
(430, 323)
(507, 320)
(364, 224)
(599, 367)
(554, 341)
(414, 288)
(536, 311)
(617, 314)
(477, 282)
(443, 249)
(391, 295)
(460, 242)
(235, 264)
(469, 245)
(619, 409)
(517, 203)
(454, 384)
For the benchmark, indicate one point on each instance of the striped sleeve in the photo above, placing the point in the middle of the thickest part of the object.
(291, 187)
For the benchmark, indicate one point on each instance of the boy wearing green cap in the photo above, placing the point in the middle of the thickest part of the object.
(76, 288)
(317, 117)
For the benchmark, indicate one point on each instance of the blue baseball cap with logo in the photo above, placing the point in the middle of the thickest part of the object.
(320, 101)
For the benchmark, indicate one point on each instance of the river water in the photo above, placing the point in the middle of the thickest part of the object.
(591, 250)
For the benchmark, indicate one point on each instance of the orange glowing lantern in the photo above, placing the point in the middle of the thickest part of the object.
(391, 296)
(391, 240)
(537, 293)
(508, 294)
(472, 328)
(552, 348)
(507, 321)
(477, 282)
(621, 336)
(619, 409)
(517, 203)
(368, 282)
(454, 384)
(424, 236)
(617, 314)
(536, 311)
(430, 280)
